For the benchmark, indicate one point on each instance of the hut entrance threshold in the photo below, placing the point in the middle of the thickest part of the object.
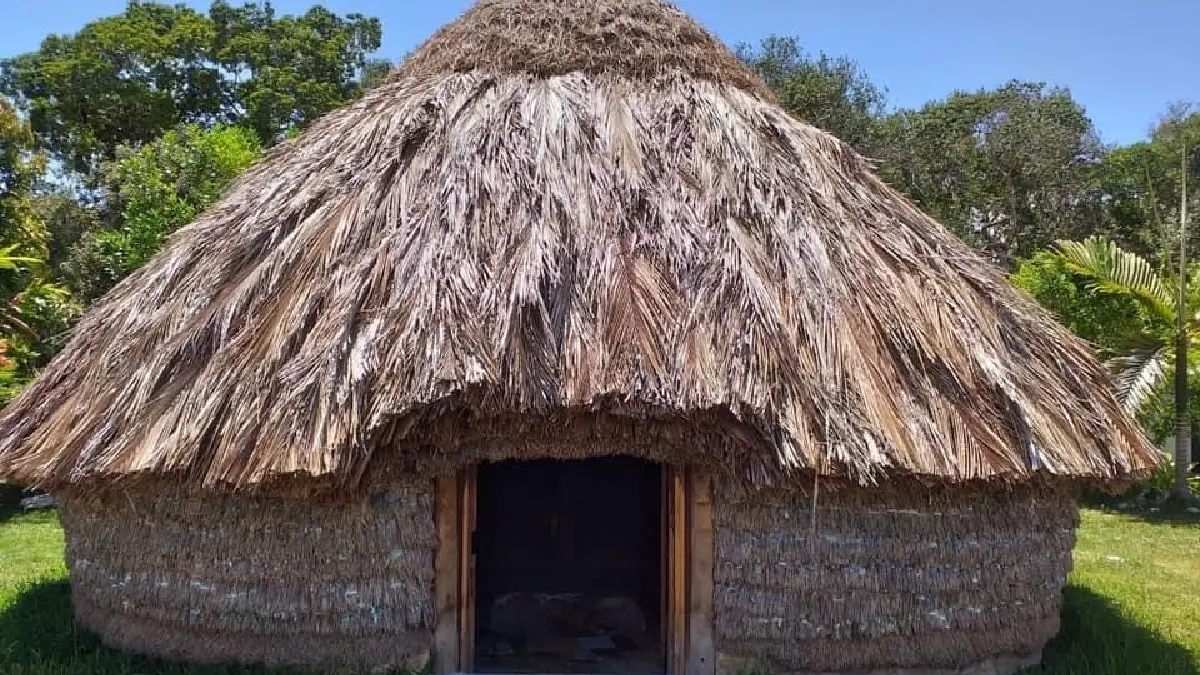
(600, 566)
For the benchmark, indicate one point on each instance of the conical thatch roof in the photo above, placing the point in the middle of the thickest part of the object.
(557, 208)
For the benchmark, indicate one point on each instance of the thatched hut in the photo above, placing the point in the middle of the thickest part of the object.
(568, 335)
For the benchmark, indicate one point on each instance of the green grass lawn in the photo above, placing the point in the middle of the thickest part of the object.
(1133, 606)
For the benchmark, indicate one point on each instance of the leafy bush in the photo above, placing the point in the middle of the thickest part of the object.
(153, 191)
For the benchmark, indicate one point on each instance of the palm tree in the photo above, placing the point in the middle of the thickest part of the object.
(1172, 326)
(10, 312)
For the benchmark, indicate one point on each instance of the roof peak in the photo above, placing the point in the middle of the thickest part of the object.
(640, 40)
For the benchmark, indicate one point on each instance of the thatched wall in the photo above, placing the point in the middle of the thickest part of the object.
(880, 580)
(256, 579)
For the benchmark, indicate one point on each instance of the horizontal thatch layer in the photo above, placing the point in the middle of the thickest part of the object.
(645, 41)
(409, 652)
(471, 244)
(256, 579)
(1008, 664)
(885, 579)
(758, 654)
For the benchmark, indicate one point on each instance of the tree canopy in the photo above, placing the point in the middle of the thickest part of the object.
(1010, 169)
(832, 93)
(126, 79)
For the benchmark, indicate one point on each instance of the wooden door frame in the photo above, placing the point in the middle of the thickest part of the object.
(688, 590)
(700, 656)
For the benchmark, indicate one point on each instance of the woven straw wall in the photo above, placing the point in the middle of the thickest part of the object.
(880, 580)
(257, 580)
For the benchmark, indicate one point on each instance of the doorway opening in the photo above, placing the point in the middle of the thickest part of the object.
(569, 564)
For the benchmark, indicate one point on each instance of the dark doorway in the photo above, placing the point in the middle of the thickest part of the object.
(569, 567)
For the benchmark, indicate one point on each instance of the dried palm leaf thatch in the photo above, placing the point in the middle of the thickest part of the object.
(560, 207)
(643, 41)
(888, 579)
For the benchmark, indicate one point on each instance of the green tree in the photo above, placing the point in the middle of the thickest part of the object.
(832, 93)
(33, 311)
(152, 191)
(288, 71)
(124, 80)
(1010, 170)
(1140, 184)
(1137, 186)
(121, 79)
(66, 220)
(20, 171)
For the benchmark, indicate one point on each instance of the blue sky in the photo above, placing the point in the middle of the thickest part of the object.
(1125, 60)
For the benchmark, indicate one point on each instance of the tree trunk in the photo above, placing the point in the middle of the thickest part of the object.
(1183, 422)
(1183, 425)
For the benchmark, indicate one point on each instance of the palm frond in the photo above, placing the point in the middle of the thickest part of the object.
(8, 261)
(1114, 270)
(1136, 375)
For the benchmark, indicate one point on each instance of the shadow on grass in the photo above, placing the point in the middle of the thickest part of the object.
(38, 637)
(1154, 515)
(7, 513)
(1160, 517)
(1096, 639)
(11, 497)
(1150, 506)
(10, 500)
